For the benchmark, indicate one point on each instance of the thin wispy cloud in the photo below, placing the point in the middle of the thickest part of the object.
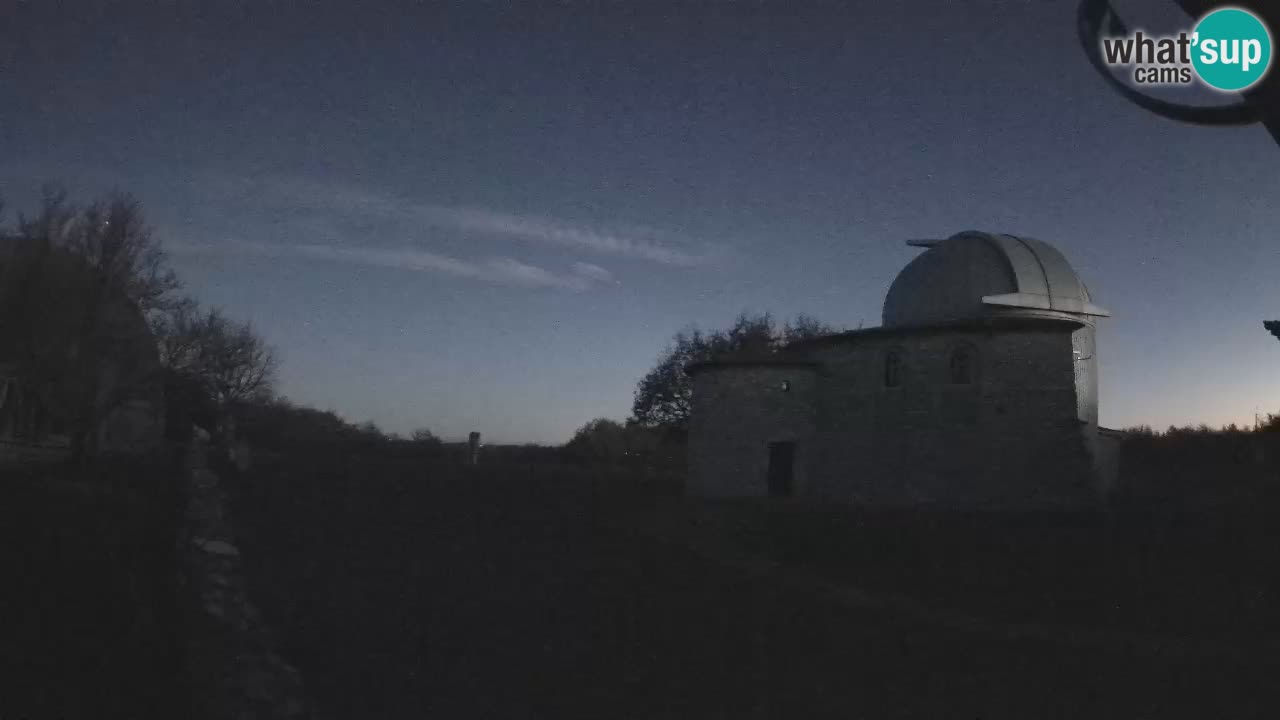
(496, 270)
(309, 219)
(313, 202)
(635, 245)
(595, 272)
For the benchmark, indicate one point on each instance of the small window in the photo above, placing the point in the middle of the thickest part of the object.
(962, 366)
(893, 369)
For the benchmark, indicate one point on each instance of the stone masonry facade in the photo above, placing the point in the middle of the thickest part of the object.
(1013, 437)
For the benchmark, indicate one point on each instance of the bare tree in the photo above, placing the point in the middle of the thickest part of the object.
(236, 363)
(81, 284)
(227, 359)
(175, 331)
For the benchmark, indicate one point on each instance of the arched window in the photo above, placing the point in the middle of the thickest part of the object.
(962, 366)
(893, 369)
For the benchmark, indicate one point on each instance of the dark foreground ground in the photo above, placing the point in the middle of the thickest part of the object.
(403, 593)
(1203, 577)
(89, 623)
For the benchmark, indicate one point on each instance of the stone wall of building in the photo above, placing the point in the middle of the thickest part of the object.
(737, 411)
(1010, 439)
(1084, 347)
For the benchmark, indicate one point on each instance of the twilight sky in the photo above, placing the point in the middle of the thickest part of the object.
(492, 217)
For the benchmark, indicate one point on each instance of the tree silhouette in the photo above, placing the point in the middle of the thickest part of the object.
(663, 396)
(425, 437)
(80, 284)
(610, 440)
(1273, 327)
(601, 438)
(225, 358)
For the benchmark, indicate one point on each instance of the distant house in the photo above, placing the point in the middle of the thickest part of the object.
(33, 423)
(978, 391)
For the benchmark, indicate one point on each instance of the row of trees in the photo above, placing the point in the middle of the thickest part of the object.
(277, 425)
(603, 439)
(92, 316)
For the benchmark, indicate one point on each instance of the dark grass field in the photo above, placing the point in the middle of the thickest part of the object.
(409, 591)
(88, 614)
(1202, 576)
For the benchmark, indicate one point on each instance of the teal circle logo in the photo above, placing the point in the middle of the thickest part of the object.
(1231, 49)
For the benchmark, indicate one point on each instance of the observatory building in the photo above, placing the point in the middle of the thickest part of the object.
(978, 391)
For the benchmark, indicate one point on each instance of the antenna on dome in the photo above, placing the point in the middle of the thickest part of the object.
(923, 242)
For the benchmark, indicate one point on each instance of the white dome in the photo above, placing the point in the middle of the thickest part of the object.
(973, 275)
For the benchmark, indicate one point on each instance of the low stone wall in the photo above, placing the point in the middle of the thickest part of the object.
(234, 666)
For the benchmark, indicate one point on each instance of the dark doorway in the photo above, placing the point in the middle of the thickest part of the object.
(782, 461)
